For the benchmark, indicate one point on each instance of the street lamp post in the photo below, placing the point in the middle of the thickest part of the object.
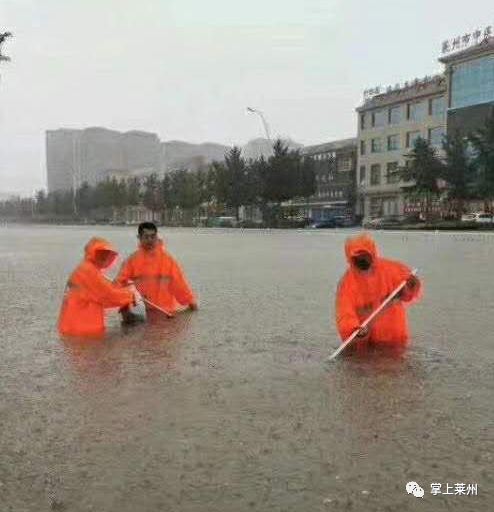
(265, 124)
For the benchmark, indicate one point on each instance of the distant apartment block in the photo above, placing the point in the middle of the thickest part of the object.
(93, 154)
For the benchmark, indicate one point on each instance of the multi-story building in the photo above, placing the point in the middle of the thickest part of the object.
(388, 125)
(93, 154)
(142, 150)
(62, 159)
(335, 164)
(100, 150)
(470, 75)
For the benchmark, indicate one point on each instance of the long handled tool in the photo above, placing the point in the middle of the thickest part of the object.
(167, 313)
(152, 304)
(369, 319)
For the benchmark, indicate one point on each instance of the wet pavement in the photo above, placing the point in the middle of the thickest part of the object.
(231, 409)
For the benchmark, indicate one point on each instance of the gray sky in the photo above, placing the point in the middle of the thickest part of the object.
(186, 69)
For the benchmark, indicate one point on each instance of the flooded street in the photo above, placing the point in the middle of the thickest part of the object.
(231, 409)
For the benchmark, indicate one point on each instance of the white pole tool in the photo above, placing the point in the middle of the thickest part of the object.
(369, 319)
(167, 313)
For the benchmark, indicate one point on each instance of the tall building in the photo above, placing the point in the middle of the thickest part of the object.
(470, 75)
(388, 125)
(335, 164)
(100, 150)
(62, 158)
(93, 154)
(141, 150)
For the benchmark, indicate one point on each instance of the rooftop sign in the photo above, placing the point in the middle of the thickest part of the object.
(375, 91)
(466, 41)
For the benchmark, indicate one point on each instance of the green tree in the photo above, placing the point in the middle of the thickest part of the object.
(236, 176)
(458, 171)
(133, 192)
(84, 199)
(41, 202)
(279, 177)
(152, 197)
(284, 176)
(307, 185)
(219, 183)
(422, 171)
(483, 144)
(168, 196)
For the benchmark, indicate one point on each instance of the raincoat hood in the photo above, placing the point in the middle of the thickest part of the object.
(96, 245)
(359, 243)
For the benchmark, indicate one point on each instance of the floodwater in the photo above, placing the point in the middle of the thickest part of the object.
(231, 409)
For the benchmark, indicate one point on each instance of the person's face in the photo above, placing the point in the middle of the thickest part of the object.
(104, 258)
(362, 260)
(148, 238)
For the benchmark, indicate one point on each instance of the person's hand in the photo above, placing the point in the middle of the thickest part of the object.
(412, 282)
(363, 332)
(137, 295)
(193, 306)
(397, 298)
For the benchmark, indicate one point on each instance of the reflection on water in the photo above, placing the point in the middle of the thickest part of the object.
(156, 342)
(231, 408)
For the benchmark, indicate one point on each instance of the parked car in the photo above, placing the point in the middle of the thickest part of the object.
(344, 221)
(478, 217)
(383, 222)
(370, 223)
(321, 224)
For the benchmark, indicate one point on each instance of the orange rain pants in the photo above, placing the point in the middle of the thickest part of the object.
(158, 277)
(89, 292)
(361, 292)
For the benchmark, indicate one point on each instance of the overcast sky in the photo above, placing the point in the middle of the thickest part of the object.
(186, 69)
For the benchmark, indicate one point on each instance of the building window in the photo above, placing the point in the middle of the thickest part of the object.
(436, 136)
(393, 142)
(344, 163)
(378, 118)
(362, 175)
(375, 207)
(411, 138)
(391, 174)
(376, 145)
(437, 106)
(472, 82)
(362, 147)
(362, 122)
(416, 111)
(389, 206)
(375, 174)
(395, 115)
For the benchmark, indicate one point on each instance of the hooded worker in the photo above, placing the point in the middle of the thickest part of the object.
(88, 292)
(156, 274)
(365, 285)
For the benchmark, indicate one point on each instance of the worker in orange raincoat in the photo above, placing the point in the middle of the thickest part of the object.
(365, 285)
(156, 275)
(89, 292)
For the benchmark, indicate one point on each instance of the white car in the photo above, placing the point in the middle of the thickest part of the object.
(479, 217)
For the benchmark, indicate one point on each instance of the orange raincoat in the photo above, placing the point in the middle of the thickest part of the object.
(361, 292)
(158, 277)
(89, 292)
